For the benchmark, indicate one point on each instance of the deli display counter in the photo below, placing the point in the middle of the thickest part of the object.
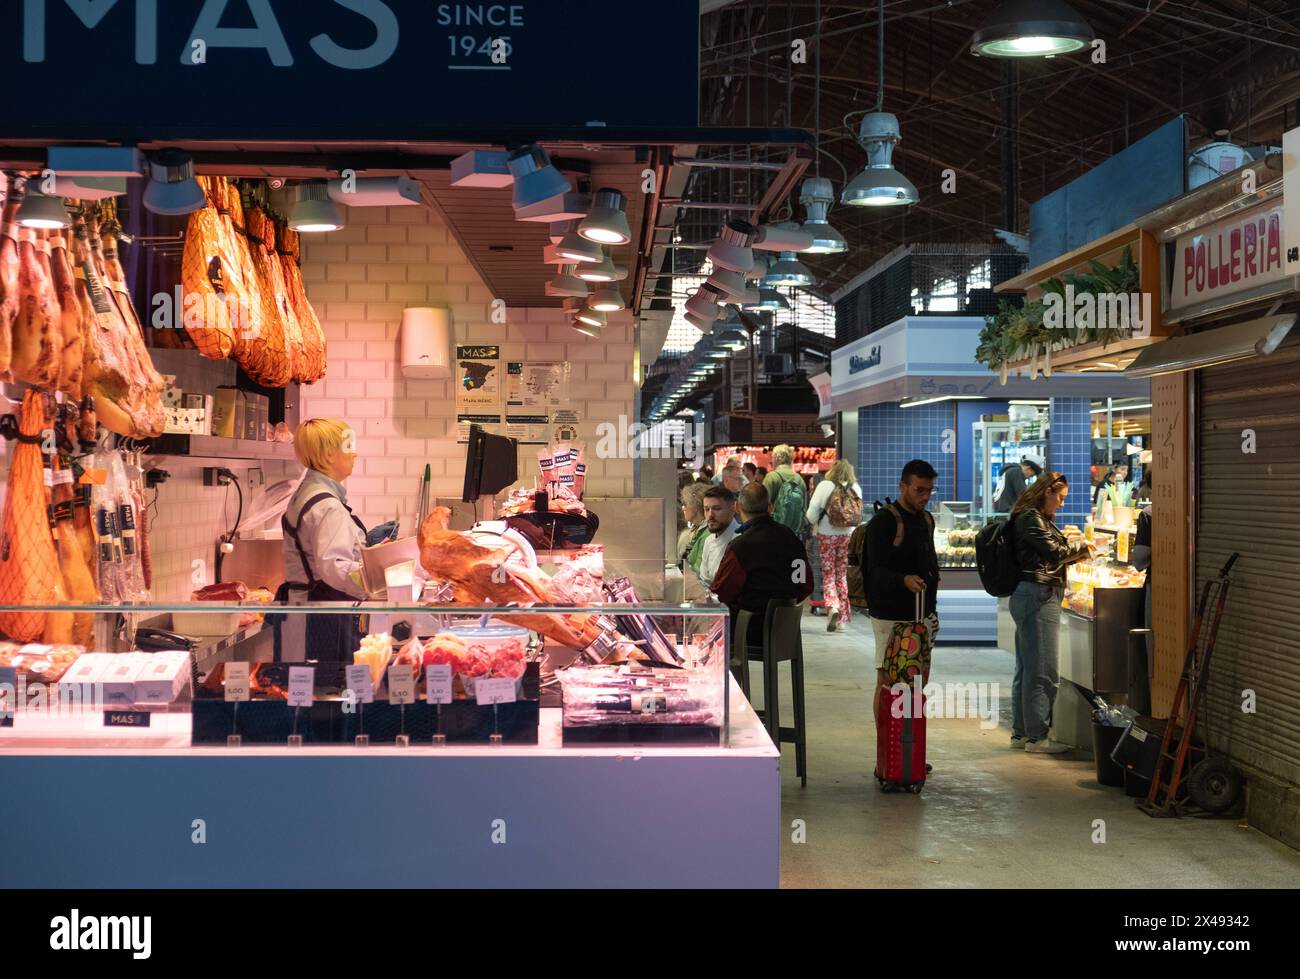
(444, 718)
(1103, 601)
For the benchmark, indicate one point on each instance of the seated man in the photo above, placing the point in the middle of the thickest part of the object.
(763, 561)
(720, 518)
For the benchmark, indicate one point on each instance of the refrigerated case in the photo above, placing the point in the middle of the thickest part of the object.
(321, 751)
(993, 445)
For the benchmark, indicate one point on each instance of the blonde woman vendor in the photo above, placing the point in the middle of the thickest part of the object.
(323, 538)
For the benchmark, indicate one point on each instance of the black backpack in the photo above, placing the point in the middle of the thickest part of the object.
(995, 557)
(858, 572)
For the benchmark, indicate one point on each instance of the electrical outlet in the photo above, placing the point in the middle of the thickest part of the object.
(216, 476)
(256, 478)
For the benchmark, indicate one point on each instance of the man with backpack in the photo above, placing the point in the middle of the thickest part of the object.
(786, 489)
(901, 568)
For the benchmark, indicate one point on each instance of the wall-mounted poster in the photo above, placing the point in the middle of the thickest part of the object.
(478, 386)
(535, 391)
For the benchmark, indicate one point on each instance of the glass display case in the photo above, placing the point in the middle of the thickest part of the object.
(993, 445)
(410, 675)
(955, 547)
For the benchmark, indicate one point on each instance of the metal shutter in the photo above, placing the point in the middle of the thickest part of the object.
(1251, 503)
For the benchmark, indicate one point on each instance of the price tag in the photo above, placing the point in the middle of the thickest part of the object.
(401, 684)
(236, 686)
(302, 681)
(360, 685)
(494, 690)
(437, 680)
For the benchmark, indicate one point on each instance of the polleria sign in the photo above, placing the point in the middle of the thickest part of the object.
(361, 68)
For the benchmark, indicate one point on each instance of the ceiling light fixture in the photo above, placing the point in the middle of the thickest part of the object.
(42, 212)
(731, 251)
(606, 301)
(172, 188)
(788, 271)
(601, 271)
(314, 212)
(817, 195)
(574, 248)
(769, 298)
(878, 133)
(606, 223)
(1031, 29)
(784, 237)
(535, 179)
(566, 283)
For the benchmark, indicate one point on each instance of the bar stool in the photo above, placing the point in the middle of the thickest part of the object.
(783, 641)
(740, 650)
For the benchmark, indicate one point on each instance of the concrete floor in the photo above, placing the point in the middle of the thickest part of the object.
(988, 816)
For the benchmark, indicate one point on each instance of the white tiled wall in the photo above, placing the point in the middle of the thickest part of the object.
(359, 280)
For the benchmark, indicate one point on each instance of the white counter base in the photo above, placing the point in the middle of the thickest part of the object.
(389, 817)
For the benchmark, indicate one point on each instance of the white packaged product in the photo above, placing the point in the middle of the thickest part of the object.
(164, 678)
(118, 678)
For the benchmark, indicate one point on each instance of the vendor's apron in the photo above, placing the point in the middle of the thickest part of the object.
(330, 638)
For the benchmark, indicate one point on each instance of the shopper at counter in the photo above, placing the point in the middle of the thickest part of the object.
(721, 524)
(835, 511)
(1011, 483)
(690, 543)
(763, 562)
(786, 489)
(323, 538)
(900, 567)
(1042, 553)
(732, 475)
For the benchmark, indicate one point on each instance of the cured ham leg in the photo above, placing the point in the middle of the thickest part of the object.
(74, 562)
(119, 374)
(38, 330)
(311, 362)
(29, 568)
(268, 358)
(8, 273)
(73, 318)
(481, 574)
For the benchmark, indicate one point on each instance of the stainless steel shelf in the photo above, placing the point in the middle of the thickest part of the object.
(217, 448)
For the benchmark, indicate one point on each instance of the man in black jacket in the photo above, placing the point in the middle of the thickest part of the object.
(763, 561)
(901, 562)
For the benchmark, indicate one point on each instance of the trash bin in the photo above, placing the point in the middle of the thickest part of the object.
(1104, 739)
(1135, 785)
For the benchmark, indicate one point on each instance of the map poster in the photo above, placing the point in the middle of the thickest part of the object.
(478, 384)
(534, 392)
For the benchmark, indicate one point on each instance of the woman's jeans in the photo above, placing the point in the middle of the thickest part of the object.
(1036, 610)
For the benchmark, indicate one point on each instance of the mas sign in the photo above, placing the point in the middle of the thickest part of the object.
(361, 69)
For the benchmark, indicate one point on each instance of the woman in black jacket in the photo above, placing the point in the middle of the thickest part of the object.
(1043, 553)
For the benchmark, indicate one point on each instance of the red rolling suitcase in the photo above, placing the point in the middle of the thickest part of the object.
(900, 741)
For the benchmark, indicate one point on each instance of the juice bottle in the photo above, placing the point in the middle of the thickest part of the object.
(1121, 547)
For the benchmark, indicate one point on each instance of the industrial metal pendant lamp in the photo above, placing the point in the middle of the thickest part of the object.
(816, 196)
(1031, 29)
(878, 133)
(788, 271)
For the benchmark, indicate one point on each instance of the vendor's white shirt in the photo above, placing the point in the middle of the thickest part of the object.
(821, 498)
(327, 533)
(715, 545)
